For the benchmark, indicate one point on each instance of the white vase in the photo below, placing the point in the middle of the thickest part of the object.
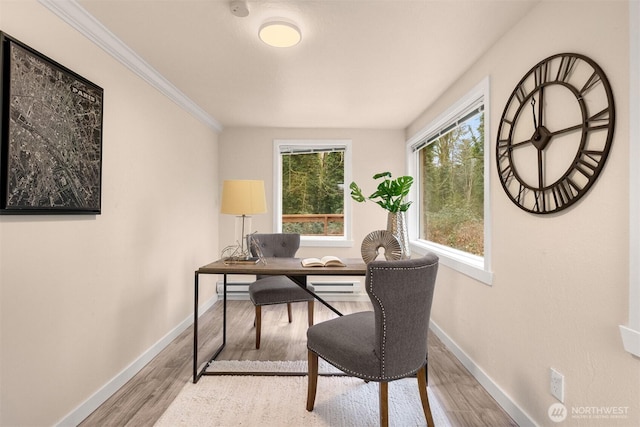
(397, 225)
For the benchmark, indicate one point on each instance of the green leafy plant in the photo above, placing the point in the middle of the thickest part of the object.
(390, 193)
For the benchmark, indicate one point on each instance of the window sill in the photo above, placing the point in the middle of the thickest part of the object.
(325, 242)
(630, 340)
(469, 265)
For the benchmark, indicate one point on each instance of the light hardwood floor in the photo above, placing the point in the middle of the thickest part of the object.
(142, 400)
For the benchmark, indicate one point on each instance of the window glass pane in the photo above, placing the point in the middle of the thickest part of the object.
(452, 186)
(313, 192)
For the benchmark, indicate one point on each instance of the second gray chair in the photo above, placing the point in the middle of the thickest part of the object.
(269, 290)
(388, 343)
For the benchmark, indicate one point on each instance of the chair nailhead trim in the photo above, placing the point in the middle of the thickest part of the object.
(365, 376)
(384, 316)
(382, 377)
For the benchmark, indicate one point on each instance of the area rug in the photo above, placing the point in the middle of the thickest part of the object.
(280, 400)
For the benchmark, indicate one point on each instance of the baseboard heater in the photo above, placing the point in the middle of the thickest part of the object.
(347, 288)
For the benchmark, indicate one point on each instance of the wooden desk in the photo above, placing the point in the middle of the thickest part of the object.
(290, 267)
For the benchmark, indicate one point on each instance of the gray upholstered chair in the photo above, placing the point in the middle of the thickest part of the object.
(388, 343)
(268, 290)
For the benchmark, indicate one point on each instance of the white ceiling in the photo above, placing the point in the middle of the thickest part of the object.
(361, 63)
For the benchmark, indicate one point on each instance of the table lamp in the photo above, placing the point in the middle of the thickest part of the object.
(243, 198)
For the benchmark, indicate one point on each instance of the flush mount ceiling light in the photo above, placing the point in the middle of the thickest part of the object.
(280, 34)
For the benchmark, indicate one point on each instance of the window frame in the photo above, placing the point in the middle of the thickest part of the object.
(630, 332)
(474, 266)
(313, 241)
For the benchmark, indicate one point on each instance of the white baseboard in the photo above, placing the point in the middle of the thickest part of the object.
(76, 416)
(630, 340)
(239, 291)
(243, 296)
(327, 290)
(510, 407)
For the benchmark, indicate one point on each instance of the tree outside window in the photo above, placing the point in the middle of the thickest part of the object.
(452, 185)
(313, 192)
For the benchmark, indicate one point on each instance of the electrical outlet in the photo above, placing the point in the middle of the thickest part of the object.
(557, 385)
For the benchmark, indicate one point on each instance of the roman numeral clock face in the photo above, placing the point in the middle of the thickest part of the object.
(555, 133)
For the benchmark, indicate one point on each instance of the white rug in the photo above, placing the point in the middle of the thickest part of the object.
(280, 401)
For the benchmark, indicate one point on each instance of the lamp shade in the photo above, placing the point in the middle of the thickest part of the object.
(243, 197)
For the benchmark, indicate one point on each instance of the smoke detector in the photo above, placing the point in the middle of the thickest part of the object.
(239, 8)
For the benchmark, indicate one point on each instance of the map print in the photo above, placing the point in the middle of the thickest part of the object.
(55, 137)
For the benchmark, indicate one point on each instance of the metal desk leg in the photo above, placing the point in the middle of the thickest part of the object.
(224, 315)
(196, 374)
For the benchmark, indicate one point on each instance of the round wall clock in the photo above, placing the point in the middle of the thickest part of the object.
(555, 133)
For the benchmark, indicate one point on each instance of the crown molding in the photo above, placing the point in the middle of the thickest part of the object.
(77, 17)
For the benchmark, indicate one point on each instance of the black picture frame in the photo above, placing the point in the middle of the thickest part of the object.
(50, 135)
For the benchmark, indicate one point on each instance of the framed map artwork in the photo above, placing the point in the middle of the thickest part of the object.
(51, 135)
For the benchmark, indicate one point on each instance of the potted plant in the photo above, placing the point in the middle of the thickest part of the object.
(390, 195)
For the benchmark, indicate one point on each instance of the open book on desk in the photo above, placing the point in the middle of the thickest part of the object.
(325, 261)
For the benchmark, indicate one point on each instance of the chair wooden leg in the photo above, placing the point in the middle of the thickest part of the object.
(289, 311)
(384, 404)
(310, 313)
(422, 386)
(313, 380)
(258, 322)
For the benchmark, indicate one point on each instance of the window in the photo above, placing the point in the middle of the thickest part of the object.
(449, 162)
(310, 196)
(451, 170)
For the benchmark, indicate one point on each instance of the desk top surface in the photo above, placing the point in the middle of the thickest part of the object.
(286, 266)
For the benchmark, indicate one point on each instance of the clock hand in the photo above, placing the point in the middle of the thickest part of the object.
(569, 129)
(542, 136)
(533, 110)
(540, 107)
(540, 170)
(518, 144)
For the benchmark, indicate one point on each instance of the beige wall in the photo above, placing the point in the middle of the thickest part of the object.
(560, 285)
(248, 154)
(82, 297)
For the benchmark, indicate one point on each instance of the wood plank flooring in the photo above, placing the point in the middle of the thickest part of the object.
(145, 397)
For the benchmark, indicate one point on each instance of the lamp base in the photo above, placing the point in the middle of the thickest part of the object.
(242, 228)
(236, 254)
(241, 260)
